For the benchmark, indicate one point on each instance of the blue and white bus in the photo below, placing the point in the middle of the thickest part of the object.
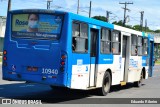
(62, 49)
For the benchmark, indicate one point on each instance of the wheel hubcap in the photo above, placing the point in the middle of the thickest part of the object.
(106, 84)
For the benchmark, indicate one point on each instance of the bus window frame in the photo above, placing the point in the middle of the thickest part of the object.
(119, 32)
(147, 45)
(28, 38)
(140, 46)
(136, 54)
(106, 41)
(79, 22)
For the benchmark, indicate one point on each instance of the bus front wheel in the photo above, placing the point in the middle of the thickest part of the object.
(106, 84)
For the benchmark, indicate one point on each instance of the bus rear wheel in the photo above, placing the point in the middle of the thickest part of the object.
(139, 83)
(106, 84)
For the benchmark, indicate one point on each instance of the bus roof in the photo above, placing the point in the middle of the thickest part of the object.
(37, 11)
(91, 21)
(124, 29)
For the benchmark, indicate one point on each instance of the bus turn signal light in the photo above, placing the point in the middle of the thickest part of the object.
(4, 52)
(63, 57)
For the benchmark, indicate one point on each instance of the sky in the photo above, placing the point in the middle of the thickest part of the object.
(99, 7)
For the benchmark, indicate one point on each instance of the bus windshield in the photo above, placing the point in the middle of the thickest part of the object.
(36, 26)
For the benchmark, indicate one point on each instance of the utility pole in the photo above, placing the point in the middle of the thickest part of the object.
(90, 7)
(146, 25)
(141, 20)
(49, 3)
(125, 8)
(9, 5)
(78, 8)
(107, 15)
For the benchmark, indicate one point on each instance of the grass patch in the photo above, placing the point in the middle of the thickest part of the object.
(1, 57)
(157, 62)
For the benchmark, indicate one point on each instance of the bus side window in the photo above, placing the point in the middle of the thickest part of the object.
(116, 42)
(139, 45)
(134, 49)
(79, 37)
(105, 41)
(145, 46)
(75, 34)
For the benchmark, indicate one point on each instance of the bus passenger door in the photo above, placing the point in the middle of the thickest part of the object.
(93, 55)
(151, 63)
(125, 58)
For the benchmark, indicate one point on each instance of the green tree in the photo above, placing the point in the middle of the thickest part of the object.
(120, 23)
(102, 18)
(157, 31)
(136, 27)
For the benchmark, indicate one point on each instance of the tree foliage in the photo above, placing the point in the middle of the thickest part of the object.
(120, 23)
(102, 18)
(157, 31)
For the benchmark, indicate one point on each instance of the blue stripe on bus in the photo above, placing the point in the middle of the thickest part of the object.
(101, 59)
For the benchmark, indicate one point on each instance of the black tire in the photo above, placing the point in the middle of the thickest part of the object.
(106, 84)
(139, 83)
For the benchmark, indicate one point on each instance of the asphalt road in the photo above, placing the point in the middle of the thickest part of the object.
(22, 90)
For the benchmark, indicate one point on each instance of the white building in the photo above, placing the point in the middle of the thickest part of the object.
(2, 26)
(2, 31)
(156, 37)
(156, 44)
